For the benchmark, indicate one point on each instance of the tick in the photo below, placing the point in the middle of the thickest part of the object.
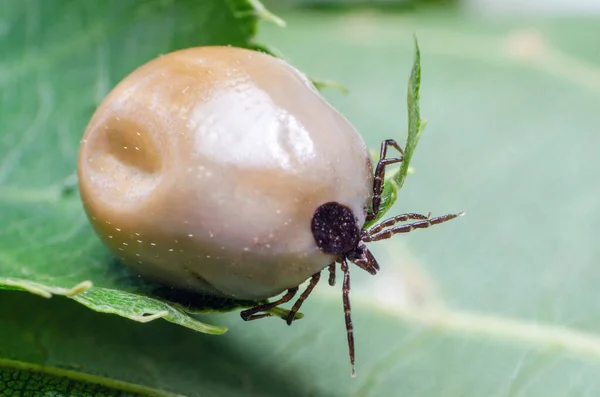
(224, 171)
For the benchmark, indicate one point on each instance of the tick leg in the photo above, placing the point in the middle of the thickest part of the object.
(332, 274)
(250, 314)
(392, 221)
(347, 313)
(311, 285)
(366, 261)
(422, 224)
(384, 148)
(379, 177)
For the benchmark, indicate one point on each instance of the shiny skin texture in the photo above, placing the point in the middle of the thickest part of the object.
(203, 168)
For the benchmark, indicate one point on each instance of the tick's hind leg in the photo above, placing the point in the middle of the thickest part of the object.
(332, 274)
(348, 313)
(250, 314)
(379, 176)
(313, 283)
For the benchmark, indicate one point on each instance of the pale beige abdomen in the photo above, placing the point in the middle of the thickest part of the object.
(203, 168)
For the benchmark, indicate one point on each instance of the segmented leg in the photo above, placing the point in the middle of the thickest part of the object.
(398, 218)
(250, 314)
(332, 274)
(366, 261)
(347, 313)
(311, 285)
(379, 176)
(422, 224)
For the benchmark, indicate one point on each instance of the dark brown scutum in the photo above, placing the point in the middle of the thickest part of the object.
(334, 229)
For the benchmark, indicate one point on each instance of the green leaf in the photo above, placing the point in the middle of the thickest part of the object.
(24, 379)
(415, 125)
(395, 180)
(322, 84)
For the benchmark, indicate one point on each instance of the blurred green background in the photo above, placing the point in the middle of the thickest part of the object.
(501, 302)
